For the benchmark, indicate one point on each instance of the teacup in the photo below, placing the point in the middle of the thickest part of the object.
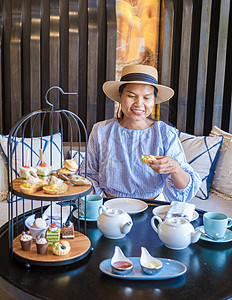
(93, 202)
(215, 224)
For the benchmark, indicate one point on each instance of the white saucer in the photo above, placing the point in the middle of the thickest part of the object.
(162, 210)
(226, 239)
(131, 206)
(75, 214)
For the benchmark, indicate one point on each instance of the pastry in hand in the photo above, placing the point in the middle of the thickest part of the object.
(146, 158)
(61, 247)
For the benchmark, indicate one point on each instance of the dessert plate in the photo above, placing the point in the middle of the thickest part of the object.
(227, 238)
(75, 214)
(162, 210)
(171, 269)
(131, 206)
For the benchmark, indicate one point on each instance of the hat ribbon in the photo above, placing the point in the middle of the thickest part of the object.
(139, 77)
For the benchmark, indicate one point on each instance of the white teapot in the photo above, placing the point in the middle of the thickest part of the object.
(114, 223)
(176, 233)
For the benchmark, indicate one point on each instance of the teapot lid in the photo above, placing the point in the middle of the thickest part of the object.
(176, 221)
(114, 212)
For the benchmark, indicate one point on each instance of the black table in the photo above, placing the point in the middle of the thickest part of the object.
(208, 276)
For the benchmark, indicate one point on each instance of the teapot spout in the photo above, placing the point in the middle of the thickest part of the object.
(195, 236)
(125, 228)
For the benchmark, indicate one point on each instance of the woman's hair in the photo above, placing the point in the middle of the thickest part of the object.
(121, 88)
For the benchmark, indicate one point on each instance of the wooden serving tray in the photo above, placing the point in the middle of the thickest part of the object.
(72, 192)
(80, 246)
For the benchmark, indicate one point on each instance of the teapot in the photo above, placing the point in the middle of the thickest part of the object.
(176, 232)
(113, 223)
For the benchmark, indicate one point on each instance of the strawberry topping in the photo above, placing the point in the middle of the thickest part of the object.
(53, 225)
(27, 167)
(43, 164)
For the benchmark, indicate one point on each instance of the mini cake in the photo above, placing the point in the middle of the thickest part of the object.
(67, 231)
(61, 248)
(26, 241)
(53, 234)
(41, 244)
(43, 170)
(25, 172)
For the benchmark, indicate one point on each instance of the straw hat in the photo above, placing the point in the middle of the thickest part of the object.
(141, 74)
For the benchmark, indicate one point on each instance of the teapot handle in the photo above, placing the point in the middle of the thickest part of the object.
(153, 222)
(101, 209)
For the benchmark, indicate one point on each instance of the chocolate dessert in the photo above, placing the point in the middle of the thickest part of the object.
(67, 231)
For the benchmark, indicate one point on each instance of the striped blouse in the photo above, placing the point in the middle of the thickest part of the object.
(115, 167)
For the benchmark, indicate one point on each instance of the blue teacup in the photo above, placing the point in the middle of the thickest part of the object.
(93, 202)
(215, 224)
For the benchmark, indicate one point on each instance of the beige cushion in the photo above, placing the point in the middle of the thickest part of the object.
(222, 178)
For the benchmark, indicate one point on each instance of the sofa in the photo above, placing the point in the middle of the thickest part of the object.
(210, 156)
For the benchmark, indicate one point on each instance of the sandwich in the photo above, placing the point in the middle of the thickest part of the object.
(44, 171)
(25, 172)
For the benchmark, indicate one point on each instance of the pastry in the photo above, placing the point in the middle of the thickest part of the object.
(41, 244)
(146, 158)
(28, 187)
(71, 165)
(39, 223)
(61, 248)
(26, 241)
(56, 188)
(43, 170)
(67, 231)
(53, 234)
(79, 180)
(65, 171)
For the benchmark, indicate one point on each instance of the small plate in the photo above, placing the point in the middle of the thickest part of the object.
(75, 214)
(171, 269)
(162, 210)
(228, 237)
(129, 205)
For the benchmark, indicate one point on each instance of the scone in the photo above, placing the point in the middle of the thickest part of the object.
(71, 165)
(61, 247)
(145, 158)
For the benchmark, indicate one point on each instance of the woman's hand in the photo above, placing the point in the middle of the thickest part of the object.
(168, 165)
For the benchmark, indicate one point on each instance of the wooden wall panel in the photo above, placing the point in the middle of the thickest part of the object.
(70, 44)
(196, 62)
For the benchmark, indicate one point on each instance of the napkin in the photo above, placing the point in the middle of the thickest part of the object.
(53, 214)
(181, 209)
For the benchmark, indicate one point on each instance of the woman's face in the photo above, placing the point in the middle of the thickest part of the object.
(137, 101)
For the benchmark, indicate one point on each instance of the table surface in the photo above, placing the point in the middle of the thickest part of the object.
(208, 276)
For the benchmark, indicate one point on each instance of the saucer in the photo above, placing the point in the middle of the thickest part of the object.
(75, 214)
(227, 238)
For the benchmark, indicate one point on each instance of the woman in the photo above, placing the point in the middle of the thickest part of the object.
(115, 145)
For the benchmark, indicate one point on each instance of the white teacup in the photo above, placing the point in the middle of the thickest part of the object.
(93, 202)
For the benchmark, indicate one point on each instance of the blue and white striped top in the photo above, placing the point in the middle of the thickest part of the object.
(115, 167)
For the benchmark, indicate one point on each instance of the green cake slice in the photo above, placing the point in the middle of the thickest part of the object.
(53, 234)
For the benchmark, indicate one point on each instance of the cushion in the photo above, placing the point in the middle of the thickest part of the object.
(222, 177)
(202, 153)
(34, 161)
